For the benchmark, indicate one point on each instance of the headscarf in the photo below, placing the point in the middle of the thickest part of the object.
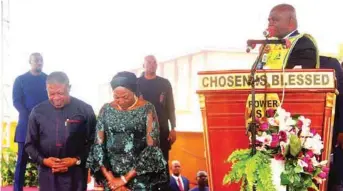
(125, 79)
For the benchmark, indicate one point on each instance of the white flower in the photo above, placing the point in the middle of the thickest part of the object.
(302, 163)
(285, 120)
(272, 122)
(314, 144)
(281, 112)
(306, 121)
(318, 180)
(265, 139)
(268, 140)
(314, 161)
(302, 139)
(318, 137)
(283, 146)
(323, 163)
(306, 132)
(284, 126)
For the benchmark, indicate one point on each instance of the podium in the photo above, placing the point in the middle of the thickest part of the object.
(223, 97)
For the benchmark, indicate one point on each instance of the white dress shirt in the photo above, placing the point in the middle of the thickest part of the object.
(177, 178)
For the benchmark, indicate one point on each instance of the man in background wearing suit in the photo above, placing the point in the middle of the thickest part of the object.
(178, 182)
(28, 91)
(301, 51)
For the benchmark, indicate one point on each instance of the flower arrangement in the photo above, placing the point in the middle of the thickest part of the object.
(285, 137)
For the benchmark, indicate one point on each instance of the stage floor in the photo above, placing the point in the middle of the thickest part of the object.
(10, 188)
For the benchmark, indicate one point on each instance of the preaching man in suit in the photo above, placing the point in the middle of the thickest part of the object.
(177, 181)
(301, 52)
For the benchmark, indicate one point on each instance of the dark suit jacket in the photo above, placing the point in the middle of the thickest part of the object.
(336, 170)
(333, 63)
(304, 53)
(173, 185)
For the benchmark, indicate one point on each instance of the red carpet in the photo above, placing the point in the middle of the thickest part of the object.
(10, 188)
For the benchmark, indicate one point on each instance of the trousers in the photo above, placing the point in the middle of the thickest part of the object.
(20, 168)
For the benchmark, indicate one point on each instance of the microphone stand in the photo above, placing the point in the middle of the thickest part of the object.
(252, 80)
(253, 125)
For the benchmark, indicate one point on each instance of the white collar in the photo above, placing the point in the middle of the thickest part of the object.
(177, 177)
(287, 36)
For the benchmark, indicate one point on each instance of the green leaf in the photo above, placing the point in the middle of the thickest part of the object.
(307, 180)
(286, 150)
(297, 180)
(264, 181)
(226, 179)
(274, 129)
(317, 171)
(8, 161)
(295, 145)
(238, 155)
(285, 179)
(250, 170)
(295, 117)
(298, 169)
(314, 186)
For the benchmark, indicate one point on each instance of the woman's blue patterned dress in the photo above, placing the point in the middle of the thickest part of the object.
(128, 140)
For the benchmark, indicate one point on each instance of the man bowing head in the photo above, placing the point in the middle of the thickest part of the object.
(60, 132)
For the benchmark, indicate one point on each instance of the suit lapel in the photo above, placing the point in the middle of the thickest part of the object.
(184, 181)
(174, 183)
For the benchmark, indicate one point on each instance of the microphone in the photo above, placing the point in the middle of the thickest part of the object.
(254, 42)
(251, 44)
(250, 47)
(269, 32)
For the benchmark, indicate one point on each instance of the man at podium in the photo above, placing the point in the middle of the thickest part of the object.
(302, 50)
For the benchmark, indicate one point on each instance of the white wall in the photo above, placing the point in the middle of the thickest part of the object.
(213, 60)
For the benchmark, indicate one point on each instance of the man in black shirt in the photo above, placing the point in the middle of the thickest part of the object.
(158, 91)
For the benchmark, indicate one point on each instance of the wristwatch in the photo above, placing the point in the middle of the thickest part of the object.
(78, 162)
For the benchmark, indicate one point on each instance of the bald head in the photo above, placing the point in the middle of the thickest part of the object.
(176, 168)
(36, 62)
(175, 162)
(283, 20)
(150, 65)
(202, 178)
(150, 57)
(285, 7)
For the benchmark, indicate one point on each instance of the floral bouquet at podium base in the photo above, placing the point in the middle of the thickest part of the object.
(288, 156)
